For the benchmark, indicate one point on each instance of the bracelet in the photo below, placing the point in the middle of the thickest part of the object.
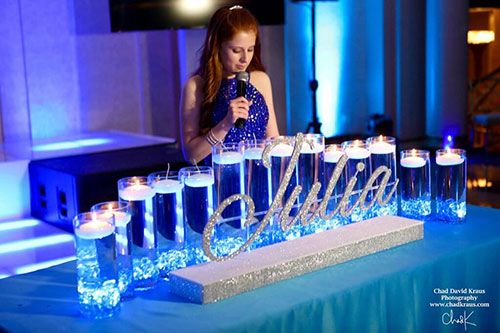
(211, 138)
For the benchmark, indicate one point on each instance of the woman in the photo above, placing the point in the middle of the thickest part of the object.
(209, 106)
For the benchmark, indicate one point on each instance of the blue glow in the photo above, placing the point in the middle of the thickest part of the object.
(51, 119)
(42, 265)
(416, 208)
(70, 144)
(21, 224)
(55, 146)
(34, 243)
(93, 142)
(349, 64)
(448, 141)
(15, 190)
(329, 54)
(451, 210)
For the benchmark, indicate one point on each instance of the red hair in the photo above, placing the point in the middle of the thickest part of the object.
(225, 23)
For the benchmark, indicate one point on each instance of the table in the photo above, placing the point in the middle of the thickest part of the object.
(390, 291)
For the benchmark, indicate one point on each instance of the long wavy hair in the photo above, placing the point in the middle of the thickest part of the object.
(225, 23)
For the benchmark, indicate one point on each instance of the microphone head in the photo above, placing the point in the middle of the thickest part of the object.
(242, 76)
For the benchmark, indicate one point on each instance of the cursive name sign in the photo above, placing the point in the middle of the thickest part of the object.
(306, 213)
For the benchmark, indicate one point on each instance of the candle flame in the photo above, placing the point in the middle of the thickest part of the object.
(381, 138)
(414, 152)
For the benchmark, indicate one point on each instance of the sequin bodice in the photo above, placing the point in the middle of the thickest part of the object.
(255, 126)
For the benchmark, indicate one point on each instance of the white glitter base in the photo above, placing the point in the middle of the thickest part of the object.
(214, 281)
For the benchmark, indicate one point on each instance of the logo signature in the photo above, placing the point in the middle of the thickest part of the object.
(448, 319)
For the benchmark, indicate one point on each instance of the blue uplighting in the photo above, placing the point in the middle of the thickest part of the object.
(21, 224)
(70, 144)
(329, 54)
(349, 64)
(27, 244)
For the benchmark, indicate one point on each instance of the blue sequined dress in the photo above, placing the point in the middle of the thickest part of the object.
(255, 126)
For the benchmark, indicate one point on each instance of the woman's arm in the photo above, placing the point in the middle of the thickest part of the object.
(195, 147)
(262, 82)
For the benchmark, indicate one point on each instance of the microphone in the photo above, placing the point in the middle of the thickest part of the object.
(241, 90)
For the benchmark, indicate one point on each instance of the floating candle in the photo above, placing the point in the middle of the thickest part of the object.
(165, 186)
(333, 156)
(109, 209)
(94, 230)
(311, 149)
(121, 218)
(199, 180)
(412, 162)
(382, 147)
(230, 157)
(253, 153)
(137, 192)
(282, 150)
(449, 158)
(357, 153)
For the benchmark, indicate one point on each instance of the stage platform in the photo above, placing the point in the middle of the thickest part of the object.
(27, 241)
(77, 144)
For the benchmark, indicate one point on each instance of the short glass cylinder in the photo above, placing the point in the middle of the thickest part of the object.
(98, 292)
(451, 185)
(227, 162)
(123, 232)
(415, 183)
(198, 199)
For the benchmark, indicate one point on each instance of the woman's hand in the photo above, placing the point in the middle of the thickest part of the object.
(238, 108)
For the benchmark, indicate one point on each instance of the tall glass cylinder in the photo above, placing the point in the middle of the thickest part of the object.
(333, 153)
(123, 233)
(227, 163)
(98, 292)
(198, 199)
(280, 159)
(281, 156)
(168, 216)
(451, 180)
(311, 166)
(383, 153)
(257, 178)
(357, 152)
(257, 181)
(415, 184)
(311, 169)
(139, 195)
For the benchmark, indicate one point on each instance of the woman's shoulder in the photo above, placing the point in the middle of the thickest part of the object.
(259, 76)
(194, 81)
(194, 86)
(260, 80)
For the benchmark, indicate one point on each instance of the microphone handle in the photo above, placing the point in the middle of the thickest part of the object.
(240, 123)
(241, 89)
